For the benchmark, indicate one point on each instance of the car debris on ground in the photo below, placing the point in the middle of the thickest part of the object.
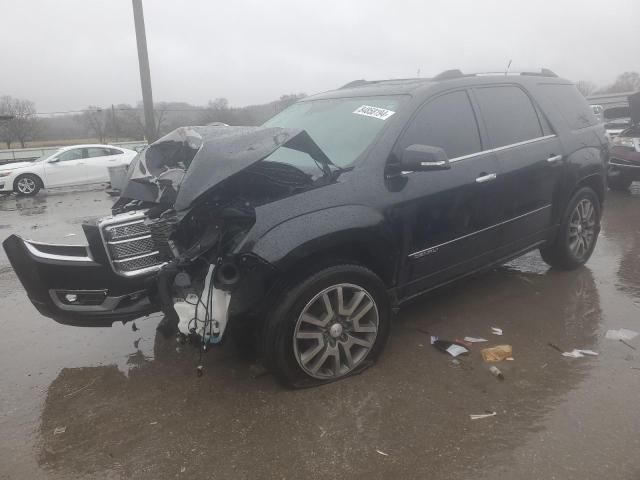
(578, 353)
(621, 334)
(497, 353)
(452, 348)
(482, 415)
(496, 331)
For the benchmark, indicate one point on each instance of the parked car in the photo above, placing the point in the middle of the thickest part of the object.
(624, 165)
(309, 232)
(612, 109)
(76, 165)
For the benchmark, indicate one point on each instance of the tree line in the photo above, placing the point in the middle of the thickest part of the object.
(19, 122)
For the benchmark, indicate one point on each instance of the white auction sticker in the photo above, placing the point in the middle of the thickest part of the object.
(375, 112)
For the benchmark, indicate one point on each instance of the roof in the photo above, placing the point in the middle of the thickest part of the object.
(363, 88)
(92, 145)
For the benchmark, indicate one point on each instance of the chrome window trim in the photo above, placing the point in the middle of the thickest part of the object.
(499, 149)
(33, 249)
(421, 253)
(623, 164)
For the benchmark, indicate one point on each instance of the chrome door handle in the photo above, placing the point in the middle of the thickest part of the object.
(486, 178)
(554, 158)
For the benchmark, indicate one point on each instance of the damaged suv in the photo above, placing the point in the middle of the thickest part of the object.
(308, 233)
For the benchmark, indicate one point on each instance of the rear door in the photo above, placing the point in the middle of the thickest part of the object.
(100, 158)
(67, 168)
(531, 161)
(448, 213)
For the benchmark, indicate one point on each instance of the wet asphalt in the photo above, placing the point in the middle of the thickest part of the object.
(117, 403)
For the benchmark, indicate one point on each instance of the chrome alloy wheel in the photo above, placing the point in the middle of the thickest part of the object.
(335, 331)
(582, 228)
(26, 185)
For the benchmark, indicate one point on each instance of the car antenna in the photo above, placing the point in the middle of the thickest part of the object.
(508, 66)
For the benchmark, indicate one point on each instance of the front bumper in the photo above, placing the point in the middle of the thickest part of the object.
(75, 285)
(624, 161)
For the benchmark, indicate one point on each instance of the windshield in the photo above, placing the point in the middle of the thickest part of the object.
(342, 127)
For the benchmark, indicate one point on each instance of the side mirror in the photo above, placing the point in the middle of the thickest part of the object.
(53, 160)
(422, 158)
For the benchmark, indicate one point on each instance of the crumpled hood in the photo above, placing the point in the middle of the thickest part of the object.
(188, 162)
(14, 165)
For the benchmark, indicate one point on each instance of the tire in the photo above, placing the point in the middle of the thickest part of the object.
(324, 339)
(619, 183)
(578, 233)
(27, 185)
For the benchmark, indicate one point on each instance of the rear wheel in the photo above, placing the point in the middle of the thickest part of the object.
(27, 184)
(578, 233)
(332, 324)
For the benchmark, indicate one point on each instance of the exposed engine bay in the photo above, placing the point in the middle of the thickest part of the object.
(189, 250)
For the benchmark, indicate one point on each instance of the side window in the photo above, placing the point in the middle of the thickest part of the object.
(98, 152)
(509, 115)
(571, 105)
(447, 122)
(74, 154)
(115, 151)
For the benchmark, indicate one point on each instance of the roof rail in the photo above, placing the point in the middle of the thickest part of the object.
(356, 83)
(456, 73)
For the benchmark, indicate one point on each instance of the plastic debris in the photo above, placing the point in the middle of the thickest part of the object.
(496, 331)
(621, 334)
(382, 453)
(495, 371)
(497, 353)
(482, 415)
(153, 423)
(59, 430)
(474, 339)
(577, 353)
(451, 348)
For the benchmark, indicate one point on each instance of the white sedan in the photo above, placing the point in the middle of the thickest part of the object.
(76, 165)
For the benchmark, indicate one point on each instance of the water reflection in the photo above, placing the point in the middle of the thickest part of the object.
(413, 405)
(621, 225)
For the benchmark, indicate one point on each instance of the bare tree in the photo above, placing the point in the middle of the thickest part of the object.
(94, 119)
(22, 124)
(6, 109)
(586, 87)
(625, 82)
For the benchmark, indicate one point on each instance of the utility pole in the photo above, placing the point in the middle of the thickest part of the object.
(145, 73)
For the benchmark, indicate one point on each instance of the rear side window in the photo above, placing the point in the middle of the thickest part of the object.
(447, 122)
(571, 105)
(98, 152)
(509, 115)
(115, 151)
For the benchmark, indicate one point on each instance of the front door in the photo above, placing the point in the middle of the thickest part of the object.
(449, 215)
(67, 168)
(531, 161)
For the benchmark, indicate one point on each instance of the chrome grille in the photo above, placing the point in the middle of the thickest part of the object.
(130, 245)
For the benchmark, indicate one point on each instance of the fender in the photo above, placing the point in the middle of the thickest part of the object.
(333, 228)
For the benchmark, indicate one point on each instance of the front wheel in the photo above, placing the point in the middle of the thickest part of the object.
(27, 185)
(332, 324)
(578, 233)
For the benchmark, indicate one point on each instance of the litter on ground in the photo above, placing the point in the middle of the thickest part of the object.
(495, 371)
(382, 453)
(497, 353)
(474, 339)
(496, 331)
(577, 353)
(59, 430)
(482, 415)
(621, 334)
(446, 346)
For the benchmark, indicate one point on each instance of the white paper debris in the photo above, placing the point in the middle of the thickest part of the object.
(382, 453)
(59, 430)
(475, 340)
(433, 339)
(621, 334)
(375, 112)
(482, 415)
(577, 353)
(496, 331)
(455, 350)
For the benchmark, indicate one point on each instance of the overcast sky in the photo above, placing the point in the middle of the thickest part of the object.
(67, 54)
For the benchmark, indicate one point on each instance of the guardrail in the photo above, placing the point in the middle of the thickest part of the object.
(28, 154)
